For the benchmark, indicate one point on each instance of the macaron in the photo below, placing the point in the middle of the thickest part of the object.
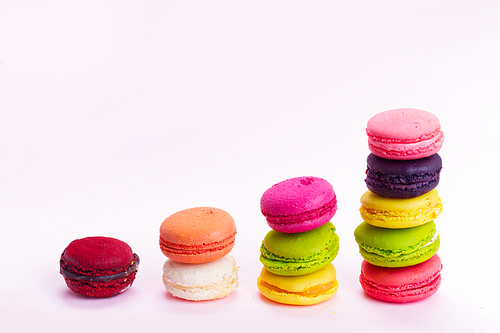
(402, 179)
(299, 204)
(197, 235)
(400, 213)
(299, 290)
(404, 134)
(201, 282)
(397, 247)
(402, 284)
(292, 254)
(98, 266)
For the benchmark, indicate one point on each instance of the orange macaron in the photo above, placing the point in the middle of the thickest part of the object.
(197, 235)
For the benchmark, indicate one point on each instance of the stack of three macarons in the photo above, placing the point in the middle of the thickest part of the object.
(298, 252)
(398, 238)
(197, 242)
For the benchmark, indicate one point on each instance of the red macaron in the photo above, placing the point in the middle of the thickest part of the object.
(98, 266)
(402, 284)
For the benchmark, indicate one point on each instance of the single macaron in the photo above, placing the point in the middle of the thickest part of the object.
(301, 253)
(98, 266)
(404, 134)
(402, 179)
(400, 213)
(299, 204)
(306, 289)
(397, 247)
(201, 282)
(197, 235)
(402, 284)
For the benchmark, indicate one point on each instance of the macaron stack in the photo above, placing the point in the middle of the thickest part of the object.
(298, 252)
(398, 239)
(197, 242)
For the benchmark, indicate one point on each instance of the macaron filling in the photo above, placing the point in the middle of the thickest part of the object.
(433, 239)
(310, 292)
(100, 278)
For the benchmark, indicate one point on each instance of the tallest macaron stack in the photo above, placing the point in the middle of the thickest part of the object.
(398, 238)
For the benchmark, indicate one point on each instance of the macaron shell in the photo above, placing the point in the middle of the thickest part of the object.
(281, 254)
(402, 179)
(299, 204)
(90, 254)
(397, 247)
(200, 282)
(101, 289)
(197, 235)
(404, 134)
(400, 213)
(299, 290)
(401, 285)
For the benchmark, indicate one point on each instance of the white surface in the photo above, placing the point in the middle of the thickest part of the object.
(116, 114)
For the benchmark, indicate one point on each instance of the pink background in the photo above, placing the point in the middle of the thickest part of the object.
(117, 114)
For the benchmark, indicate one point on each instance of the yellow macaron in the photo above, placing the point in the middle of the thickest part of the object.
(306, 289)
(397, 213)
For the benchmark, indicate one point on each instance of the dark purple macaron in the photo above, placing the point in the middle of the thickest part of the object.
(402, 179)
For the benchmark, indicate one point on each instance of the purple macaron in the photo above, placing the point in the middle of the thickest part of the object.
(402, 179)
(299, 204)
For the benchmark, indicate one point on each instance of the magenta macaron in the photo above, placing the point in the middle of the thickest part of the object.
(299, 204)
(401, 284)
(404, 134)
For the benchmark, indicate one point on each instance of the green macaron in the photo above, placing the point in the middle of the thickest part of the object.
(293, 254)
(397, 247)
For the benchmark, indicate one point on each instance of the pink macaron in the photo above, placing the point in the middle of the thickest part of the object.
(401, 284)
(404, 134)
(299, 204)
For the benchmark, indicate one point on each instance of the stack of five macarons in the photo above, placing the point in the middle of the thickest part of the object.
(398, 239)
(298, 251)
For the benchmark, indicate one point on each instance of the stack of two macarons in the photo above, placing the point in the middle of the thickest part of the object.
(398, 238)
(298, 252)
(197, 242)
